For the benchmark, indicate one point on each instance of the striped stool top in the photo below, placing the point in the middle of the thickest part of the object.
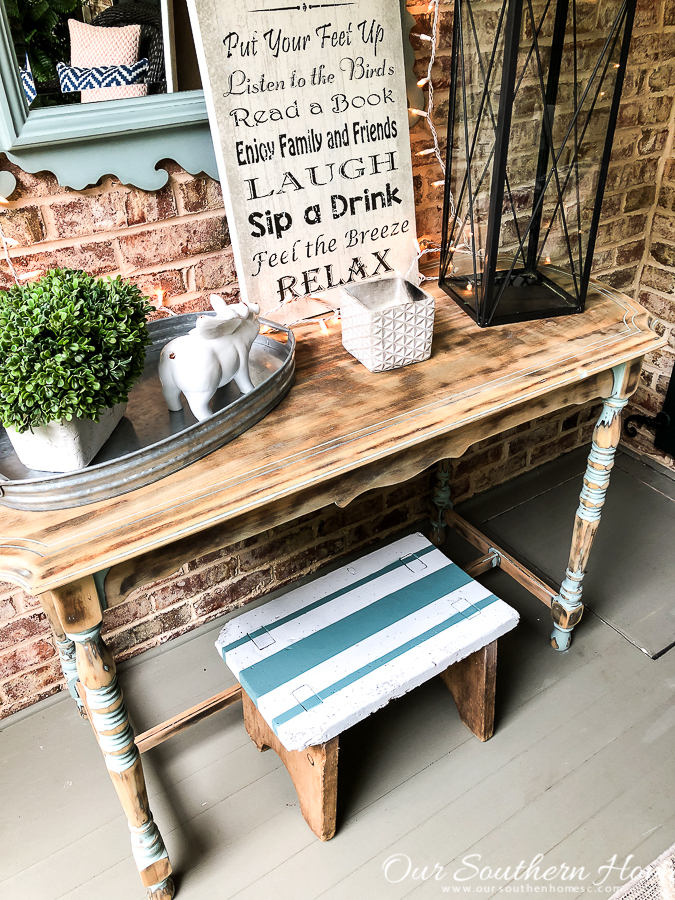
(325, 655)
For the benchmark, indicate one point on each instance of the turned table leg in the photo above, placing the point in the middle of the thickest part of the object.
(567, 608)
(79, 612)
(441, 502)
(65, 648)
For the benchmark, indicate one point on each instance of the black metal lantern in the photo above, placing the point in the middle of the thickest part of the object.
(534, 98)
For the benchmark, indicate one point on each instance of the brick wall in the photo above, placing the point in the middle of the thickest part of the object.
(635, 249)
(177, 240)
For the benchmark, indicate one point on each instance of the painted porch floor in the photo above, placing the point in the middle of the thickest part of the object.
(581, 769)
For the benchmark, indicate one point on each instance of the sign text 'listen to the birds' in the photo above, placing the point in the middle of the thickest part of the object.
(308, 108)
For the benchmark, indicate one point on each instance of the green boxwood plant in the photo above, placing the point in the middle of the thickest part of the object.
(70, 345)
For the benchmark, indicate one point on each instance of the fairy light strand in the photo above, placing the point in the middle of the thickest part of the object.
(466, 243)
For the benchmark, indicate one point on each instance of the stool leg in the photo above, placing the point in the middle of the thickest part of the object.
(313, 771)
(472, 682)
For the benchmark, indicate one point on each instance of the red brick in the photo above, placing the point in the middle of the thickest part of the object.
(664, 226)
(662, 384)
(194, 583)
(36, 683)
(123, 640)
(308, 560)
(621, 278)
(199, 304)
(24, 657)
(429, 221)
(423, 25)
(440, 73)
(158, 245)
(126, 613)
(473, 461)
(171, 282)
(630, 253)
(24, 225)
(213, 273)
(646, 13)
(28, 186)
(21, 629)
(664, 254)
(652, 141)
(460, 489)
(661, 279)
(493, 475)
(640, 198)
(153, 206)
(208, 558)
(200, 194)
(90, 215)
(531, 438)
(657, 305)
(653, 48)
(403, 493)
(234, 594)
(635, 225)
(24, 602)
(552, 449)
(7, 609)
(282, 544)
(95, 258)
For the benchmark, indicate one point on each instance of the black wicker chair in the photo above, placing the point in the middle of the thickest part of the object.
(152, 44)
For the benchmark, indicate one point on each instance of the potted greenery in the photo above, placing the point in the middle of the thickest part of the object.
(71, 348)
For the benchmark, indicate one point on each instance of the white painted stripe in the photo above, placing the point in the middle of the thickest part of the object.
(314, 590)
(322, 616)
(331, 670)
(359, 699)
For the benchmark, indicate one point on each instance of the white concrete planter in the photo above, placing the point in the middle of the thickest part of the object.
(387, 323)
(65, 446)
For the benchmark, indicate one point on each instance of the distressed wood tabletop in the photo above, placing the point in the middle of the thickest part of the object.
(340, 431)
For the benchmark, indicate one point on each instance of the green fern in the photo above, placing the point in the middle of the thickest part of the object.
(40, 30)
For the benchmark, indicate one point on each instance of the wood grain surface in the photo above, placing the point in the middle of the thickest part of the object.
(340, 431)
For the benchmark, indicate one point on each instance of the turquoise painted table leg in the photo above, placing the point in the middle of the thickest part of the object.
(441, 502)
(567, 608)
(65, 648)
(78, 608)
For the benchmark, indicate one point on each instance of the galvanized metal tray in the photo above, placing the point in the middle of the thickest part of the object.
(150, 442)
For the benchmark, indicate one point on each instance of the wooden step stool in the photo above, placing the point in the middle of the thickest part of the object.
(317, 660)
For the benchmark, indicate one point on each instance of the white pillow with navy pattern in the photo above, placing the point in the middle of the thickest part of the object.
(28, 82)
(74, 78)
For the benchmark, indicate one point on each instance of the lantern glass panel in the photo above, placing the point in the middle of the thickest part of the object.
(535, 87)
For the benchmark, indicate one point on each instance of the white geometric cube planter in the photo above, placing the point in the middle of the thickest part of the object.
(65, 446)
(387, 323)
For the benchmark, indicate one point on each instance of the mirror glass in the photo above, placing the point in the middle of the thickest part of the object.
(86, 51)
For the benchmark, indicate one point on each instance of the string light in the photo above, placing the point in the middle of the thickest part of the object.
(159, 294)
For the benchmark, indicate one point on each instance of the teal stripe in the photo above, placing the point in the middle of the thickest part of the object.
(376, 663)
(267, 674)
(323, 600)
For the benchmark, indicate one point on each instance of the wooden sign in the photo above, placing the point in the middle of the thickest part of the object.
(308, 111)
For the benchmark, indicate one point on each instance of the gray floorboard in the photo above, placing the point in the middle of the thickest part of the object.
(580, 769)
(632, 566)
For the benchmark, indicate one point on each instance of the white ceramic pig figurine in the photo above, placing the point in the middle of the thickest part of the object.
(208, 357)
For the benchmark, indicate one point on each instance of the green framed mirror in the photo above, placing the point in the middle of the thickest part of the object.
(80, 142)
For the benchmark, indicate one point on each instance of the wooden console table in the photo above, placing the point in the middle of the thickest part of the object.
(341, 431)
